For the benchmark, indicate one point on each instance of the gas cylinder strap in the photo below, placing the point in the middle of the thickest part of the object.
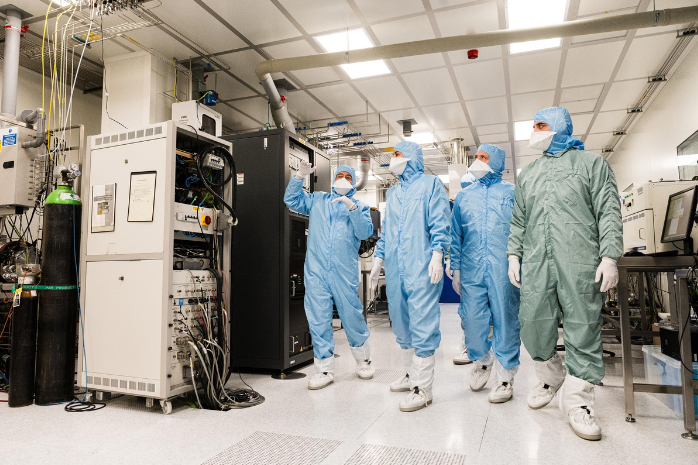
(40, 287)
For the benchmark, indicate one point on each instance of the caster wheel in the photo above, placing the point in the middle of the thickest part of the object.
(283, 376)
(166, 406)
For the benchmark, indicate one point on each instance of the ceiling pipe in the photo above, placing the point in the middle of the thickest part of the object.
(581, 27)
(362, 166)
(279, 109)
(10, 66)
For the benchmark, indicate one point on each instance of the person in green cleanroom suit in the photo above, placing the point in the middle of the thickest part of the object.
(567, 230)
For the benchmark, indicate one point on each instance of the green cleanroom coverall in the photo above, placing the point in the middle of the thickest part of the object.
(566, 217)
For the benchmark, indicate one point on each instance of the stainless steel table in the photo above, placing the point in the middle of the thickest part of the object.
(679, 306)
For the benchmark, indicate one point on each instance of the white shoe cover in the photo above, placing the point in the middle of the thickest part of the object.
(403, 384)
(504, 374)
(326, 365)
(362, 355)
(320, 381)
(551, 372)
(481, 372)
(501, 392)
(542, 395)
(462, 358)
(584, 424)
(576, 393)
(416, 400)
(422, 372)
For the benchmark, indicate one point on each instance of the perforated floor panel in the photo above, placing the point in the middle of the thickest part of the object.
(370, 454)
(261, 448)
(381, 376)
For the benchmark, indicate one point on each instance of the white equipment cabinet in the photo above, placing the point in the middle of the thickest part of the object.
(132, 298)
(643, 211)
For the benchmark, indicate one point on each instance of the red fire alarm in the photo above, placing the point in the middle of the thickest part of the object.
(472, 54)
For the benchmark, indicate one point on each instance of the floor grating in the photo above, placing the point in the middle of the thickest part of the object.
(262, 448)
(370, 454)
(381, 376)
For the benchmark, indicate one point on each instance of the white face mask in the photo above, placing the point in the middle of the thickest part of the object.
(479, 168)
(342, 186)
(398, 165)
(540, 140)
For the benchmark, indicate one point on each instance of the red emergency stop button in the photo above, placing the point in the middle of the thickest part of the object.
(206, 220)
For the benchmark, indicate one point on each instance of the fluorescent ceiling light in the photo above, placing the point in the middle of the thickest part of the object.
(535, 13)
(421, 138)
(354, 39)
(518, 171)
(523, 130)
(444, 178)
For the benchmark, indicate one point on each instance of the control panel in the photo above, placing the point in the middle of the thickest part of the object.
(193, 219)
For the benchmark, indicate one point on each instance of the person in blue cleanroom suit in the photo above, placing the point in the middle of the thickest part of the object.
(338, 224)
(414, 238)
(462, 358)
(479, 233)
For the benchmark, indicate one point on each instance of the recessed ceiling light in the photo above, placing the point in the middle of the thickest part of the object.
(444, 178)
(354, 39)
(523, 130)
(535, 13)
(422, 137)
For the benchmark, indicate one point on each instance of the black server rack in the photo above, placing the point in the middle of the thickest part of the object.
(269, 329)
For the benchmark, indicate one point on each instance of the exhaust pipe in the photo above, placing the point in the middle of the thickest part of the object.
(279, 109)
(363, 165)
(10, 66)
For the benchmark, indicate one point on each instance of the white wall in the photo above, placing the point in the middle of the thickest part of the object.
(649, 150)
(87, 108)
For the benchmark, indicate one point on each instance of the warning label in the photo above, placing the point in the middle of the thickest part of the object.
(9, 139)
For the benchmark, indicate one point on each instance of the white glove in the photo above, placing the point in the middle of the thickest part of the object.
(515, 270)
(608, 269)
(375, 272)
(305, 169)
(456, 281)
(345, 200)
(436, 271)
(449, 273)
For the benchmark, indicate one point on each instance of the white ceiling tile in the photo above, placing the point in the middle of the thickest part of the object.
(492, 129)
(591, 7)
(645, 56)
(215, 37)
(228, 87)
(385, 93)
(525, 160)
(624, 95)
(242, 64)
(524, 106)
(522, 150)
(468, 20)
(152, 37)
(608, 121)
(431, 87)
(580, 106)
(532, 72)
(247, 17)
(317, 75)
(493, 138)
(580, 123)
(597, 141)
(446, 116)
(435, 4)
(484, 53)
(404, 30)
(317, 17)
(341, 99)
(590, 64)
(488, 111)
(463, 133)
(304, 107)
(416, 63)
(295, 48)
(376, 11)
(481, 80)
(255, 107)
(581, 93)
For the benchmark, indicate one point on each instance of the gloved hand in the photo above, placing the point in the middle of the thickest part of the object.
(375, 272)
(515, 270)
(436, 271)
(456, 281)
(449, 273)
(305, 169)
(346, 201)
(608, 269)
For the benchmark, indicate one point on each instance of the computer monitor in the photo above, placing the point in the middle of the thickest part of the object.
(680, 214)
